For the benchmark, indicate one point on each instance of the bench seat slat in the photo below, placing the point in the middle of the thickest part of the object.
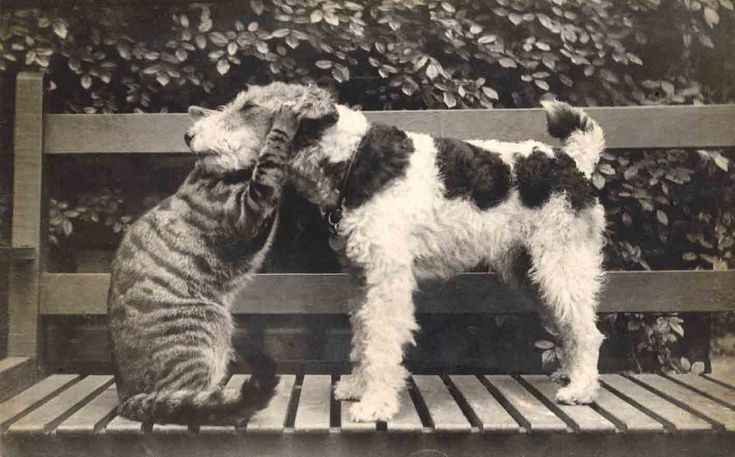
(689, 399)
(272, 419)
(707, 387)
(654, 405)
(122, 426)
(443, 410)
(491, 414)
(313, 411)
(628, 417)
(722, 379)
(92, 417)
(536, 415)
(33, 396)
(585, 418)
(407, 419)
(46, 417)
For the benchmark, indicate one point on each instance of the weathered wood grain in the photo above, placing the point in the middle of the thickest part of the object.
(625, 415)
(689, 399)
(272, 419)
(348, 425)
(654, 405)
(444, 412)
(407, 419)
(33, 397)
(93, 416)
(489, 412)
(707, 387)
(625, 127)
(535, 416)
(28, 229)
(46, 417)
(294, 293)
(16, 373)
(16, 254)
(312, 415)
(583, 417)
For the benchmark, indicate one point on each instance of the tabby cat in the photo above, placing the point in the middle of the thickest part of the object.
(169, 317)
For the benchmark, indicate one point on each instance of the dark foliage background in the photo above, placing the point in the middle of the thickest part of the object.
(667, 209)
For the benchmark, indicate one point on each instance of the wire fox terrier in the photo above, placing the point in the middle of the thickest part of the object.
(409, 206)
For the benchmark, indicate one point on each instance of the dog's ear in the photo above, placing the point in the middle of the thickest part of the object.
(198, 112)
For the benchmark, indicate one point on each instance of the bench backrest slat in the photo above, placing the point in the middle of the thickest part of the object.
(625, 127)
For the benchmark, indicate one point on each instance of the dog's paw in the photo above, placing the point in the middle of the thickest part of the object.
(371, 409)
(349, 388)
(577, 393)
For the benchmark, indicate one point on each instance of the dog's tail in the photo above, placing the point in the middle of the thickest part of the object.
(213, 406)
(583, 138)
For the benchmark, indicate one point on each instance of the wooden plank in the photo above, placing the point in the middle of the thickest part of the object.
(272, 419)
(722, 378)
(654, 405)
(296, 293)
(16, 254)
(489, 412)
(312, 413)
(707, 387)
(122, 426)
(625, 415)
(346, 424)
(16, 373)
(28, 229)
(535, 416)
(46, 417)
(689, 399)
(407, 419)
(583, 417)
(625, 127)
(92, 417)
(32, 397)
(444, 412)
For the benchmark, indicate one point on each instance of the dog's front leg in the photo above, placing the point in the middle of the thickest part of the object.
(387, 322)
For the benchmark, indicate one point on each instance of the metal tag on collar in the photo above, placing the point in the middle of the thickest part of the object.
(334, 216)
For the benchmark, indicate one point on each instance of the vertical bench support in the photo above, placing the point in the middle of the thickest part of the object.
(27, 226)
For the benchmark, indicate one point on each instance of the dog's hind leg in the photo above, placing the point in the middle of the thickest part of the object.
(567, 268)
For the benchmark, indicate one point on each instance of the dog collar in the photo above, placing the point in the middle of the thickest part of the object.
(333, 215)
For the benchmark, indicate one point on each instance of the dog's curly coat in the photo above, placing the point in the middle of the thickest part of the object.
(417, 207)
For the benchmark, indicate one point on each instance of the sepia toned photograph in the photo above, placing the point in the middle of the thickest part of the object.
(367, 228)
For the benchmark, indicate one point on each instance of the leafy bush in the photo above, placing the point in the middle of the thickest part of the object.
(378, 53)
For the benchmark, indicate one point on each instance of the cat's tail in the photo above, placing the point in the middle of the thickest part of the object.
(583, 138)
(213, 406)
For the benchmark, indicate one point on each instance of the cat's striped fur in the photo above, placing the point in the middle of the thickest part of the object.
(170, 322)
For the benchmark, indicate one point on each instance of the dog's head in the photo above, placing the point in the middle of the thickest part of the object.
(231, 137)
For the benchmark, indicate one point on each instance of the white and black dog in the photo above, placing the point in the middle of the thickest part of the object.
(411, 206)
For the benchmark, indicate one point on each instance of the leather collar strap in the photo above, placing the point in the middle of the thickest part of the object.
(334, 214)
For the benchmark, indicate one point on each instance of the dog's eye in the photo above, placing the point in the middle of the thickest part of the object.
(247, 106)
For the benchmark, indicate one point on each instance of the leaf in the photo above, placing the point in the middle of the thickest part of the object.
(485, 39)
(232, 48)
(316, 16)
(711, 17)
(223, 66)
(163, 78)
(720, 160)
(218, 38)
(543, 85)
(630, 172)
(727, 4)
(598, 180)
(280, 33)
(86, 81)
(475, 29)
(448, 7)
(490, 93)
(543, 344)
(432, 71)
(635, 59)
(662, 217)
(706, 40)
(507, 62)
(450, 100)
(542, 46)
(668, 88)
(677, 328)
(685, 364)
(420, 62)
(606, 168)
(689, 256)
(60, 28)
(257, 7)
(324, 64)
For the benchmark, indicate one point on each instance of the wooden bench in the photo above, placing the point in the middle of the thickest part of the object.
(72, 414)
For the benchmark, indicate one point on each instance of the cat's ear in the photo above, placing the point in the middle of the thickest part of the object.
(198, 112)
